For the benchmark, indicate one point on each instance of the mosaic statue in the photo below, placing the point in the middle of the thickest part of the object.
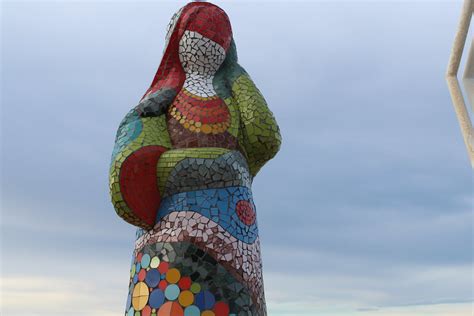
(182, 170)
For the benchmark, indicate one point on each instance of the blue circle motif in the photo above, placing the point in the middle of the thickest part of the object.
(145, 261)
(152, 278)
(172, 292)
(205, 300)
(157, 298)
(192, 310)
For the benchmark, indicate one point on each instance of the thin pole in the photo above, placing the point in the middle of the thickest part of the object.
(452, 80)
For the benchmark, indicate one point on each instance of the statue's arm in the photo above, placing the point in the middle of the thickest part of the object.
(140, 141)
(259, 132)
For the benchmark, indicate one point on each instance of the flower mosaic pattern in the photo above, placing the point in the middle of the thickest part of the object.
(182, 169)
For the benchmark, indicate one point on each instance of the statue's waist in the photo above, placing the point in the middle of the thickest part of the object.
(231, 208)
(192, 169)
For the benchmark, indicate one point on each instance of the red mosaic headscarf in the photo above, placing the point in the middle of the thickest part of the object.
(205, 18)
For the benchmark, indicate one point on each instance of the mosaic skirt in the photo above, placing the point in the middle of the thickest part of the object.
(203, 255)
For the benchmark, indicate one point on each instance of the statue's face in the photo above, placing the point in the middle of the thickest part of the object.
(203, 33)
(200, 55)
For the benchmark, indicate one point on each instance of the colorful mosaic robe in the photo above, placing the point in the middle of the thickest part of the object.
(182, 170)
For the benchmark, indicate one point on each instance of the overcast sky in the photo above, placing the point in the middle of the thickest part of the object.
(366, 211)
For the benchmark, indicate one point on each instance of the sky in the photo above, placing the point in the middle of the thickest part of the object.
(366, 210)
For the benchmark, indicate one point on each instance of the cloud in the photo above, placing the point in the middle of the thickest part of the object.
(58, 296)
(334, 278)
(460, 309)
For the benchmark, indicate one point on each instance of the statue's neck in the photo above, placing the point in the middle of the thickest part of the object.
(199, 84)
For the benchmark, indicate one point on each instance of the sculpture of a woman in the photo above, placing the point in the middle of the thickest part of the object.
(182, 170)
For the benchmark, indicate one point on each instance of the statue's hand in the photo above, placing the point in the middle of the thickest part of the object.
(157, 103)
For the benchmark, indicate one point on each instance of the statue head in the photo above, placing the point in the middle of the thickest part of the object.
(198, 39)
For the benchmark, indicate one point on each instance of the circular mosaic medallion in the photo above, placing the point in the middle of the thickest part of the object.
(145, 261)
(141, 275)
(245, 212)
(172, 292)
(192, 310)
(140, 296)
(157, 298)
(146, 311)
(186, 298)
(163, 267)
(185, 283)
(205, 300)
(155, 262)
(162, 285)
(152, 278)
(173, 276)
(171, 309)
(195, 288)
(221, 309)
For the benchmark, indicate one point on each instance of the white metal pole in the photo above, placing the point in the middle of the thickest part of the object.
(452, 80)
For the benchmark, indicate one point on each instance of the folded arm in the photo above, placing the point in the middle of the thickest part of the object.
(133, 180)
(259, 132)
